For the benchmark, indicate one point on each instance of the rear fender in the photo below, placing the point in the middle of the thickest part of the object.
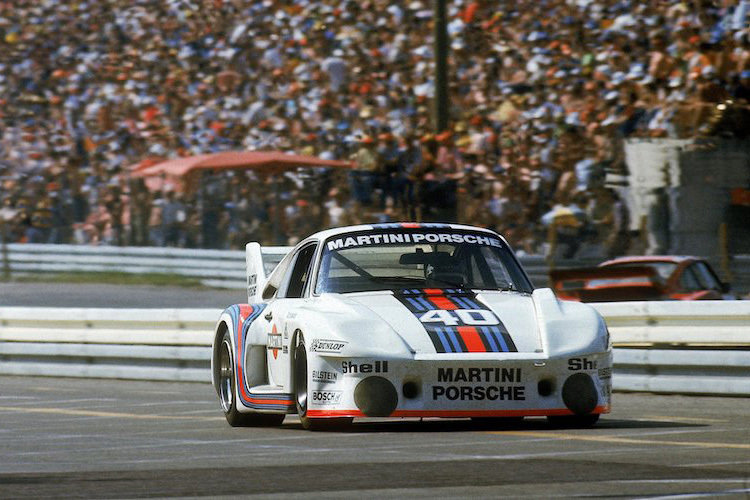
(248, 348)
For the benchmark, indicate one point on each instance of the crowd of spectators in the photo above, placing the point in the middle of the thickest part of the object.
(542, 94)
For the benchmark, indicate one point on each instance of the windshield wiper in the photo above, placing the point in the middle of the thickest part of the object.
(509, 287)
(460, 286)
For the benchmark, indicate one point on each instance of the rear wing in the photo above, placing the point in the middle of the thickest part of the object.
(260, 263)
(607, 284)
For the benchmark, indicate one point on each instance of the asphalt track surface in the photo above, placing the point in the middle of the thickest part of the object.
(69, 438)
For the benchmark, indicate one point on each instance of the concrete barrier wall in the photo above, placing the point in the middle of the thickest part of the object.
(669, 347)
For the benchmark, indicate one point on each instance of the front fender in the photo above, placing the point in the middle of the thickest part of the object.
(568, 328)
(359, 335)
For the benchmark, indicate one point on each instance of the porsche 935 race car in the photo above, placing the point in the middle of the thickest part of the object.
(406, 320)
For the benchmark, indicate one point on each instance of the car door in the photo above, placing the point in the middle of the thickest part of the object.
(278, 313)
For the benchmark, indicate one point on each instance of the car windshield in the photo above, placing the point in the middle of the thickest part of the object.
(379, 260)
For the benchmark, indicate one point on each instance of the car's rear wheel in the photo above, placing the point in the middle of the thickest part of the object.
(573, 421)
(301, 396)
(228, 392)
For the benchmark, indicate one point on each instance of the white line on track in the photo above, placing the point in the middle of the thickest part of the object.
(681, 480)
(699, 430)
(684, 481)
(521, 456)
(255, 450)
(708, 494)
(54, 389)
(134, 404)
(666, 418)
(48, 403)
(709, 464)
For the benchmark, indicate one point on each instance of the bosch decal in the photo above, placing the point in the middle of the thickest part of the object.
(326, 397)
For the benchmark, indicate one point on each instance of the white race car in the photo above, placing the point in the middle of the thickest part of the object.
(406, 320)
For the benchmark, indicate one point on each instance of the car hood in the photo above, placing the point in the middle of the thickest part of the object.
(452, 321)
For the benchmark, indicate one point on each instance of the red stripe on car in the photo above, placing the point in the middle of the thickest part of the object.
(471, 338)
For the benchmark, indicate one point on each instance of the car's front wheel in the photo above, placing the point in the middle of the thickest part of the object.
(301, 396)
(228, 393)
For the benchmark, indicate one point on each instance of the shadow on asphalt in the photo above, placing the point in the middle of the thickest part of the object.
(467, 425)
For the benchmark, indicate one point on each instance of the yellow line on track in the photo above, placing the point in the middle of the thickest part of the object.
(614, 439)
(105, 414)
(688, 420)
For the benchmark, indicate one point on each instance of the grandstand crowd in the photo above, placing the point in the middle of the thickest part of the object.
(543, 93)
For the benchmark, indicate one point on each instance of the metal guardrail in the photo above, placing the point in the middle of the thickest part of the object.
(226, 268)
(140, 344)
(220, 267)
(673, 371)
(665, 347)
(707, 323)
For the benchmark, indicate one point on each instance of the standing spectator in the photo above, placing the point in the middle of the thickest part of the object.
(410, 159)
(140, 208)
(115, 209)
(617, 241)
(173, 220)
(367, 171)
(42, 222)
(388, 158)
(156, 223)
(423, 177)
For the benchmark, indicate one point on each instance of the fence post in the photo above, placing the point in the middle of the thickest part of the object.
(6, 259)
(644, 236)
(724, 251)
(552, 241)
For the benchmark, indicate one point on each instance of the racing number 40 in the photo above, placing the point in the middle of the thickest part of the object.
(471, 317)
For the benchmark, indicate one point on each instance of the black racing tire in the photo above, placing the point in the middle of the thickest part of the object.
(573, 421)
(497, 422)
(228, 393)
(301, 394)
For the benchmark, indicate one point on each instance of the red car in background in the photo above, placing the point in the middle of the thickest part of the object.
(641, 278)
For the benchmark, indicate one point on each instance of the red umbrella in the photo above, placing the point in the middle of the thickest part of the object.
(262, 161)
(145, 163)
